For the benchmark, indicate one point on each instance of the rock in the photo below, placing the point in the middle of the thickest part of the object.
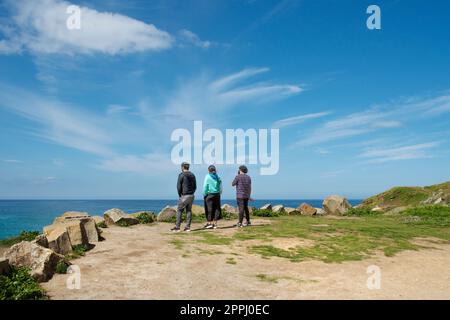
(320, 211)
(41, 240)
(197, 210)
(59, 241)
(229, 208)
(71, 215)
(167, 214)
(292, 211)
(396, 210)
(279, 209)
(438, 197)
(307, 210)
(377, 209)
(98, 219)
(266, 207)
(41, 261)
(90, 230)
(117, 217)
(4, 266)
(336, 205)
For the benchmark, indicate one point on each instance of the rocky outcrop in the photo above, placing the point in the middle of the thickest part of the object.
(267, 206)
(71, 229)
(41, 261)
(320, 211)
(229, 208)
(197, 210)
(278, 209)
(118, 217)
(336, 205)
(98, 219)
(307, 210)
(58, 240)
(292, 211)
(166, 214)
(438, 197)
(4, 266)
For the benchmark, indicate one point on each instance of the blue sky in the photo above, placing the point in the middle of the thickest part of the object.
(88, 114)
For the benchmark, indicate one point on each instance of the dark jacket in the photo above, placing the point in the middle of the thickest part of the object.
(186, 183)
(243, 184)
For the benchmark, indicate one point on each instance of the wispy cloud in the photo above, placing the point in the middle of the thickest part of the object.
(384, 117)
(298, 119)
(12, 161)
(40, 26)
(191, 38)
(196, 95)
(416, 151)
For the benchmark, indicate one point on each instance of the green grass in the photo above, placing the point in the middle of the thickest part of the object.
(344, 239)
(77, 251)
(20, 285)
(264, 213)
(202, 218)
(177, 243)
(362, 212)
(231, 261)
(23, 236)
(266, 278)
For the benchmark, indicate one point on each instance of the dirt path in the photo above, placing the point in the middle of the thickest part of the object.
(141, 262)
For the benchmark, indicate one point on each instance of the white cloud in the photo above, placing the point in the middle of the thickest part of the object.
(193, 39)
(196, 95)
(299, 119)
(40, 26)
(416, 151)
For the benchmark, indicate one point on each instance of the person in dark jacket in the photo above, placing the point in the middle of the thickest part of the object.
(186, 187)
(243, 184)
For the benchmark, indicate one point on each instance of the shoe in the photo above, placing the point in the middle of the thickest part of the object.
(248, 224)
(214, 226)
(209, 226)
(175, 229)
(187, 229)
(239, 225)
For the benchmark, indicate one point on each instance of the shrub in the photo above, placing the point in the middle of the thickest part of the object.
(102, 224)
(264, 213)
(23, 236)
(61, 267)
(77, 251)
(435, 215)
(362, 212)
(146, 217)
(20, 285)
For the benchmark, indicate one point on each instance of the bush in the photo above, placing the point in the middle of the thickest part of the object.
(362, 212)
(77, 251)
(61, 267)
(20, 285)
(23, 236)
(264, 213)
(146, 217)
(102, 225)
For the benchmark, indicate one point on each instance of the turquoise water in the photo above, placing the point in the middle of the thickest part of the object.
(18, 215)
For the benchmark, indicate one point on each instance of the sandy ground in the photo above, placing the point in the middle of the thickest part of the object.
(141, 263)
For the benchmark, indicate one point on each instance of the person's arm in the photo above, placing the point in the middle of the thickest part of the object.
(180, 185)
(235, 181)
(194, 182)
(205, 186)
(250, 187)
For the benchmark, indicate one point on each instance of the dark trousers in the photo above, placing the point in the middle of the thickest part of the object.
(212, 201)
(243, 208)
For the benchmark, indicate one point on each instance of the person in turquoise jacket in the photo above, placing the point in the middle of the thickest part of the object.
(212, 188)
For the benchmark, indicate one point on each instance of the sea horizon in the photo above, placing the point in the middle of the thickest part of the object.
(17, 215)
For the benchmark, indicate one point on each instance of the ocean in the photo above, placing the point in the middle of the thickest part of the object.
(18, 215)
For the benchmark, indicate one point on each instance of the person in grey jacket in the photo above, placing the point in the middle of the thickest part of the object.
(186, 186)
